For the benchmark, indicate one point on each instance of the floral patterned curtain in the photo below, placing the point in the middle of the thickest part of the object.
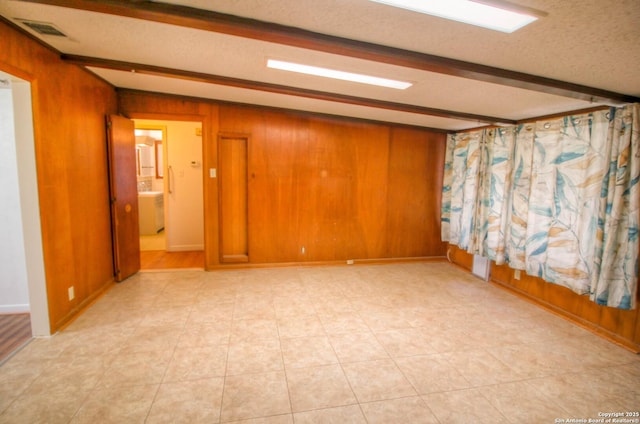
(615, 280)
(460, 187)
(558, 198)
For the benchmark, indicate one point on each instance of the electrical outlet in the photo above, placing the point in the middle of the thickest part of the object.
(349, 261)
(302, 250)
(72, 293)
(516, 274)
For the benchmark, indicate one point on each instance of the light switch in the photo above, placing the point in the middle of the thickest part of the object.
(212, 172)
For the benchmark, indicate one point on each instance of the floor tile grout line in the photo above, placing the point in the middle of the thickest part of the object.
(226, 365)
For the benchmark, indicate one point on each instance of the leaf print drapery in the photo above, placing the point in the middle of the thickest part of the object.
(556, 198)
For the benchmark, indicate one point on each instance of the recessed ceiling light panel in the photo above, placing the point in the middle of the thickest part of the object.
(341, 75)
(497, 15)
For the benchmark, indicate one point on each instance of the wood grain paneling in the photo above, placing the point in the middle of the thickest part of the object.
(321, 189)
(619, 325)
(232, 186)
(123, 191)
(69, 106)
(318, 188)
(415, 185)
(274, 179)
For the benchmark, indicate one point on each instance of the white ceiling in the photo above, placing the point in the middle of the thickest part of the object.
(587, 42)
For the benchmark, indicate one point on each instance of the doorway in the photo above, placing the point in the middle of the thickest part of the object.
(21, 258)
(170, 194)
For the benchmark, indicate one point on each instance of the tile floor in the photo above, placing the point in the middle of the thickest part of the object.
(400, 343)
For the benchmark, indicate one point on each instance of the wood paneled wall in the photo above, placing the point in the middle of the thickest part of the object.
(619, 325)
(69, 108)
(320, 189)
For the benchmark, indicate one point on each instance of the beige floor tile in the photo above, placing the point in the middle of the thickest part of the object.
(276, 419)
(253, 329)
(626, 376)
(210, 311)
(481, 368)
(431, 373)
(254, 396)
(388, 335)
(13, 382)
(319, 387)
(341, 415)
(38, 354)
(257, 356)
(331, 304)
(353, 347)
(523, 403)
(444, 340)
(600, 353)
(255, 308)
(343, 322)
(174, 316)
(405, 342)
(300, 326)
(292, 305)
(377, 380)
(405, 410)
(463, 406)
(586, 393)
(188, 402)
(132, 369)
(150, 339)
(54, 405)
(303, 352)
(193, 363)
(69, 376)
(387, 319)
(531, 361)
(372, 304)
(205, 333)
(114, 405)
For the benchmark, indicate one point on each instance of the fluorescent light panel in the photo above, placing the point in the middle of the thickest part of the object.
(505, 19)
(341, 75)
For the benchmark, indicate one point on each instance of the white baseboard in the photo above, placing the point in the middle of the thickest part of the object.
(14, 309)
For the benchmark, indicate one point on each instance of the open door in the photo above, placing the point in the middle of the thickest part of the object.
(124, 196)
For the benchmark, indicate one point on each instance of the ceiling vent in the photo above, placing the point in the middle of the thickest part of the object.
(42, 28)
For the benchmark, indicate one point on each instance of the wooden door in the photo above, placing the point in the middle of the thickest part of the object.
(232, 180)
(124, 196)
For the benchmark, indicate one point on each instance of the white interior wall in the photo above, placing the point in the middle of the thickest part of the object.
(14, 293)
(22, 285)
(184, 206)
(185, 226)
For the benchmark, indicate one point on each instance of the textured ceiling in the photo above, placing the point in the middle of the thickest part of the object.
(592, 43)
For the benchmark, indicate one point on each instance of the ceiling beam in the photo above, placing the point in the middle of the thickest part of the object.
(296, 37)
(278, 89)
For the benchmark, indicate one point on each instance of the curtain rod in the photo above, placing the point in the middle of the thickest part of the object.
(536, 119)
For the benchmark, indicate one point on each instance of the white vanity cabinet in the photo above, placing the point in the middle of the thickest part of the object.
(150, 212)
